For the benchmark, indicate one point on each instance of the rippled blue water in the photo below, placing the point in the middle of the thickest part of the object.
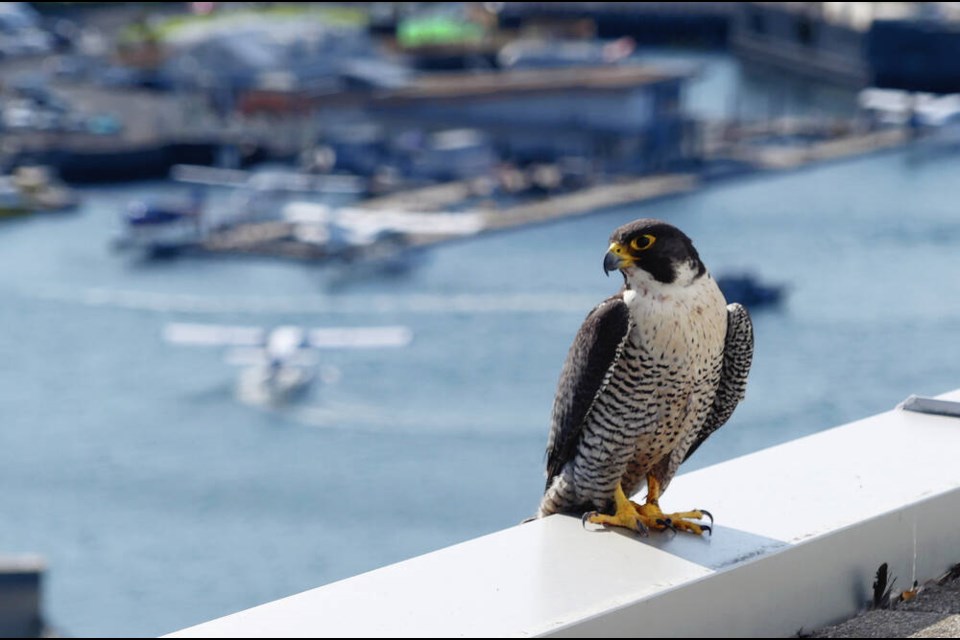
(160, 501)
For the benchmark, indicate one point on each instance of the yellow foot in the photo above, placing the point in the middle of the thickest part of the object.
(643, 517)
(627, 518)
(654, 518)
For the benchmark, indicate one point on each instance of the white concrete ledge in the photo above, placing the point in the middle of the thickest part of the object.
(801, 529)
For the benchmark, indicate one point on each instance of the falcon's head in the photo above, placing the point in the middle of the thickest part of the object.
(648, 248)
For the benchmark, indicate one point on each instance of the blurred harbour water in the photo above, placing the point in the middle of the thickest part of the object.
(160, 501)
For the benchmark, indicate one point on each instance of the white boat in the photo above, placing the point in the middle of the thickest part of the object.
(158, 228)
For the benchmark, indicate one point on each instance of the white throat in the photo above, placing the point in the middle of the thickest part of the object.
(645, 290)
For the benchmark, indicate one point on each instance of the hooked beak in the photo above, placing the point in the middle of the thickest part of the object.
(616, 258)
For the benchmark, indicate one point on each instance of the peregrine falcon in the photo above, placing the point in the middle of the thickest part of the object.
(652, 372)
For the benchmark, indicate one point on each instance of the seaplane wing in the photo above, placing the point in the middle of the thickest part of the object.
(214, 176)
(369, 222)
(292, 181)
(359, 337)
(306, 182)
(285, 340)
(433, 222)
(214, 335)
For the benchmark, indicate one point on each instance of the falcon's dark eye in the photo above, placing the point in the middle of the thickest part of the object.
(642, 243)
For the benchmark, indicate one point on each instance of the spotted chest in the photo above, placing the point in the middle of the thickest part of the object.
(669, 369)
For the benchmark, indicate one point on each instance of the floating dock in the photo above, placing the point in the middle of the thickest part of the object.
(278, 238)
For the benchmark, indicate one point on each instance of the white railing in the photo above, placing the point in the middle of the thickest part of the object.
(801, 529)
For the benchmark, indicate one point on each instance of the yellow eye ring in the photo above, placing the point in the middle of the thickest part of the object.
(642, 243)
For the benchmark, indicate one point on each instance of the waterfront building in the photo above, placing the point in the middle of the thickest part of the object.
(624, 118)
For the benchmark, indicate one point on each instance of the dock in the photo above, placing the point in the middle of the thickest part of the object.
(430, 198)
(591, 199)
(777, 157)
(278, 238)
(555, 207)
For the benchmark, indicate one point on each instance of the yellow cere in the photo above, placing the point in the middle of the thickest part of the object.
(618, 249)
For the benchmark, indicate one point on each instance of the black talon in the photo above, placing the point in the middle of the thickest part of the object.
(708, 529)
(666, 524)
(585, 517)
(706, 513)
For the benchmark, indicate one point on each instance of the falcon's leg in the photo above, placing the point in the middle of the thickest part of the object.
(626, 515)
(654, 518)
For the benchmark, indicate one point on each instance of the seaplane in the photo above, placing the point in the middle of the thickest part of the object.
(280, 364)
(163, 227)
(353, 234)
(275, 179)
(347, 234)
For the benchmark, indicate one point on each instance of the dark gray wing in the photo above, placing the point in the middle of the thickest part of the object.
(592, 354)
(737, 357)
